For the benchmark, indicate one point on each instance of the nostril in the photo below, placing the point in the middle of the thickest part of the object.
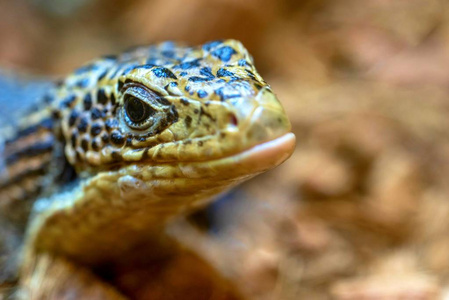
(233, 119)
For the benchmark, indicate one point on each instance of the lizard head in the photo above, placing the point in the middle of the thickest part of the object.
(169, 111)
(157, 131)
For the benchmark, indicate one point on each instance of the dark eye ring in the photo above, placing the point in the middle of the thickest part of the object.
(137, 111)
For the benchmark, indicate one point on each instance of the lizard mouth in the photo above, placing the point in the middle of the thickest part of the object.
(250, 162)
(246, 163)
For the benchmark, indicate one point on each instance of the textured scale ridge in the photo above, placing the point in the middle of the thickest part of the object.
(125, 143)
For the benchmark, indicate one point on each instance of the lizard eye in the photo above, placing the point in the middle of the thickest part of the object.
(137, 111)
(144, 110)
(141, 108)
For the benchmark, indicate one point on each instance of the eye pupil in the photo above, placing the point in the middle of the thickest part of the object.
(137, 110)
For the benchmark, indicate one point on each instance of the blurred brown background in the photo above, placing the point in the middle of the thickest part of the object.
(361, 210)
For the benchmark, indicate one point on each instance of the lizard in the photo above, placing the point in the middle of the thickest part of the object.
(126, 143)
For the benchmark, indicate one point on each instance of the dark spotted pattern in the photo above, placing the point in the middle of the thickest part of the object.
(163, 73)
(224, 53)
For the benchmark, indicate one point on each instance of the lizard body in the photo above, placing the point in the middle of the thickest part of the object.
(126, 143)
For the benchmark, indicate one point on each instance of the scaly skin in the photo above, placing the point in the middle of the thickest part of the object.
(154, 133)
